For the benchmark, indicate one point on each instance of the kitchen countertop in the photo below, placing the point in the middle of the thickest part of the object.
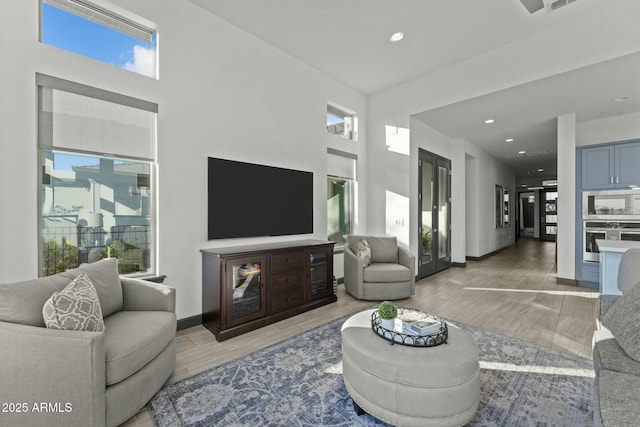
(616, 245)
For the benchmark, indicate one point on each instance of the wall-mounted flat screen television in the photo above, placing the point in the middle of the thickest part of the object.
(251, 200)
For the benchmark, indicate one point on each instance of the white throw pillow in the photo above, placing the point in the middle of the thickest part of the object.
(74, 308)
(363, 250)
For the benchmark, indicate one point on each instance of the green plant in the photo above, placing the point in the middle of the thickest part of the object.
(426, 241)
(387, 310)
(131, 258)
(58, 257)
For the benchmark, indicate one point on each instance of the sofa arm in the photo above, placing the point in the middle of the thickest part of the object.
(140, 295)
(51, 377)
(353, 273)
(407, 259)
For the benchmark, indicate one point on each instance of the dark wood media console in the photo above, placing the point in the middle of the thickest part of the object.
(247, 287)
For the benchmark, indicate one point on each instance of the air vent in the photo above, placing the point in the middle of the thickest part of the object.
(558, 4)
(528, 154)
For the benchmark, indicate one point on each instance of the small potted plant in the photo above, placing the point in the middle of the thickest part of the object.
(387, 312)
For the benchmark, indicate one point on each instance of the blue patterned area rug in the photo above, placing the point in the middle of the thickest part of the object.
(298, 382)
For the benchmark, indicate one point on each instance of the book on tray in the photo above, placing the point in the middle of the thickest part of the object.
(421, 327)
(418, 324)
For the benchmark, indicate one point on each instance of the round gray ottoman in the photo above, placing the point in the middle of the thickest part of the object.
(410, 386)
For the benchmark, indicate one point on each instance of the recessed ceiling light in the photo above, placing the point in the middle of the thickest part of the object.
(508, 140)
(396, 37)
(540, 170)
(622, 98)
(522, 152)
(488, 121)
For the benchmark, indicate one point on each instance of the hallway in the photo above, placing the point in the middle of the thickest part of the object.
(515, 293)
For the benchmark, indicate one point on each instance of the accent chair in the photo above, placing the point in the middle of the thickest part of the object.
(386, 273)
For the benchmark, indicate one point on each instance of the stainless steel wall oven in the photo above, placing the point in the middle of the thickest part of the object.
(606, 230)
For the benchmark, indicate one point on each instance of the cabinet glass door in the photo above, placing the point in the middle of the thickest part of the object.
(320, 273)
(246, 292)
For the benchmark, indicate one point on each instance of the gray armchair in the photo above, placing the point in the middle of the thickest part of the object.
(390, 276)
(57, 377)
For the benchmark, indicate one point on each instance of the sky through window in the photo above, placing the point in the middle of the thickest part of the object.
(76, 34)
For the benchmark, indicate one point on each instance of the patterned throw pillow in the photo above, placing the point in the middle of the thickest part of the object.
(362, 250)
(623, 320)
(74, 308)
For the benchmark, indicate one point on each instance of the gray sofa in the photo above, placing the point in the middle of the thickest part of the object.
(616, 350)
(390, 276)
(54, 377)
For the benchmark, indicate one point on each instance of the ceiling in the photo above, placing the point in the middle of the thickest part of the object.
(349, 40)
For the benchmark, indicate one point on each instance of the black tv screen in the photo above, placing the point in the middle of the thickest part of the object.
(251, 200)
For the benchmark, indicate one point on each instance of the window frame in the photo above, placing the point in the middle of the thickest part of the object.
(45, 142)
(351, 183)
(108, 16)
(347, 116)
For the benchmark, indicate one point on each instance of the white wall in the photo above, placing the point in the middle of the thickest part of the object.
(221, 93)
(566, 237)
(610, 129)
(489, 172)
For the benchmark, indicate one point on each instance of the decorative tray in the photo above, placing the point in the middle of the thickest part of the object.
(407, 327)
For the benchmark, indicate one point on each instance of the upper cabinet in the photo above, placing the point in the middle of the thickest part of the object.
(611, 166)
(628, 165)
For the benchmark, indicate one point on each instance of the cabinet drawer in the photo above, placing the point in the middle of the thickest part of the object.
(283, 301)
(289, 280)
(286, 261)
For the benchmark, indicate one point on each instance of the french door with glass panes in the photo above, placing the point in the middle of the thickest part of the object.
(434, 214)
(548, 214)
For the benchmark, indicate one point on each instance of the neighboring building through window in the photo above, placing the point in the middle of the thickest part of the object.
(97, 195)
(341, 183)
(91, 30)
(343, 123)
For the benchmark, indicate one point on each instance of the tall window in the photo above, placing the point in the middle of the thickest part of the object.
(341, 179)
(341, 122)
(97, 32)
(96, 154)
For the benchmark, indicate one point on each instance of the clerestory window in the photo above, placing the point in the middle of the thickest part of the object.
(106, 34)
(341, 122)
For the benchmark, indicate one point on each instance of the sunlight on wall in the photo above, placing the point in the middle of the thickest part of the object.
(397, 139)
(397, 217)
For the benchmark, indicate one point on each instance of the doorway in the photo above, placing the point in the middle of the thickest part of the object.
(434, 213)
(527, 214)
(548, 214)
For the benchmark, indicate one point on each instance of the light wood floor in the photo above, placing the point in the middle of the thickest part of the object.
(513, 292)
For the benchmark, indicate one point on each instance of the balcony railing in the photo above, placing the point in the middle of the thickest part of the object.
(65, 247)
